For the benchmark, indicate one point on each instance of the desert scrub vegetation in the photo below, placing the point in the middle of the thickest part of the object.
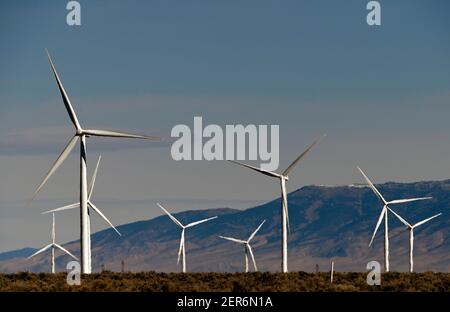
(225, 282)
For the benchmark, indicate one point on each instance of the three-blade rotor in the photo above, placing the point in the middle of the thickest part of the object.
(247, 245)
(79, 132)
(408, 225)
(182, 247)
(53, 243)
(283, 176)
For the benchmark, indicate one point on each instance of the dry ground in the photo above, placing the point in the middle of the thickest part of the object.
(237, 282)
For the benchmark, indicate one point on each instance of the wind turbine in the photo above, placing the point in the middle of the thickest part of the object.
(384, 214)
(182, 249)
(90, 205)
(411, 235)
(283, 177)
(81, 134)
(53, 245)
(247, 247)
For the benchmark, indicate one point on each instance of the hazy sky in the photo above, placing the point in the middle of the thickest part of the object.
(382, 94)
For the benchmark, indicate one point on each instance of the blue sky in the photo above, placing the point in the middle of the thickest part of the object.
(382, 95)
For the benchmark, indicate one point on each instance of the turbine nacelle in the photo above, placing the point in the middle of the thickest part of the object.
(81, 133)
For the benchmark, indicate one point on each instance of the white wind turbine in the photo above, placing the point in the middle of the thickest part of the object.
(53, 245)
(247, 247)
(90, 205)
(182, 249)
(283, 177)
(81, 134)
(411, 235)
(384, 214)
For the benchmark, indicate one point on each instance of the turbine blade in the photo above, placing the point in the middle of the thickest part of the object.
(201, 221)
(284, 202)
(69, 147)
(426, 220)
(407, 200)
(292, 165)
(94, 177)
(71, 206)
(65, 250)
(287, 219)
(171, 216)
(103, 216)
(40, 251)
(246, 258)
(253, 257)
(265, 172)
(383, 211)
(400, 218)
(181, 246)
(240, 241)
(117, 134)
(256, 231)
(67, 104)
(372, 186)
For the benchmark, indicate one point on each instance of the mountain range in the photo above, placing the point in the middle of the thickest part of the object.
(326, 223)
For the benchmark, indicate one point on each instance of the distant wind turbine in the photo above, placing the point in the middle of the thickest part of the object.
(411, 235)
(283, 177)
(81, 134)
(182, 249)
(247, 247)
(90, 206)
(52, 245)
(384, 214)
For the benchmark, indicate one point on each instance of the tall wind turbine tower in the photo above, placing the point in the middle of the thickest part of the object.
(283, 177)
(384, 215)
(81, 134)
(53, 245)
